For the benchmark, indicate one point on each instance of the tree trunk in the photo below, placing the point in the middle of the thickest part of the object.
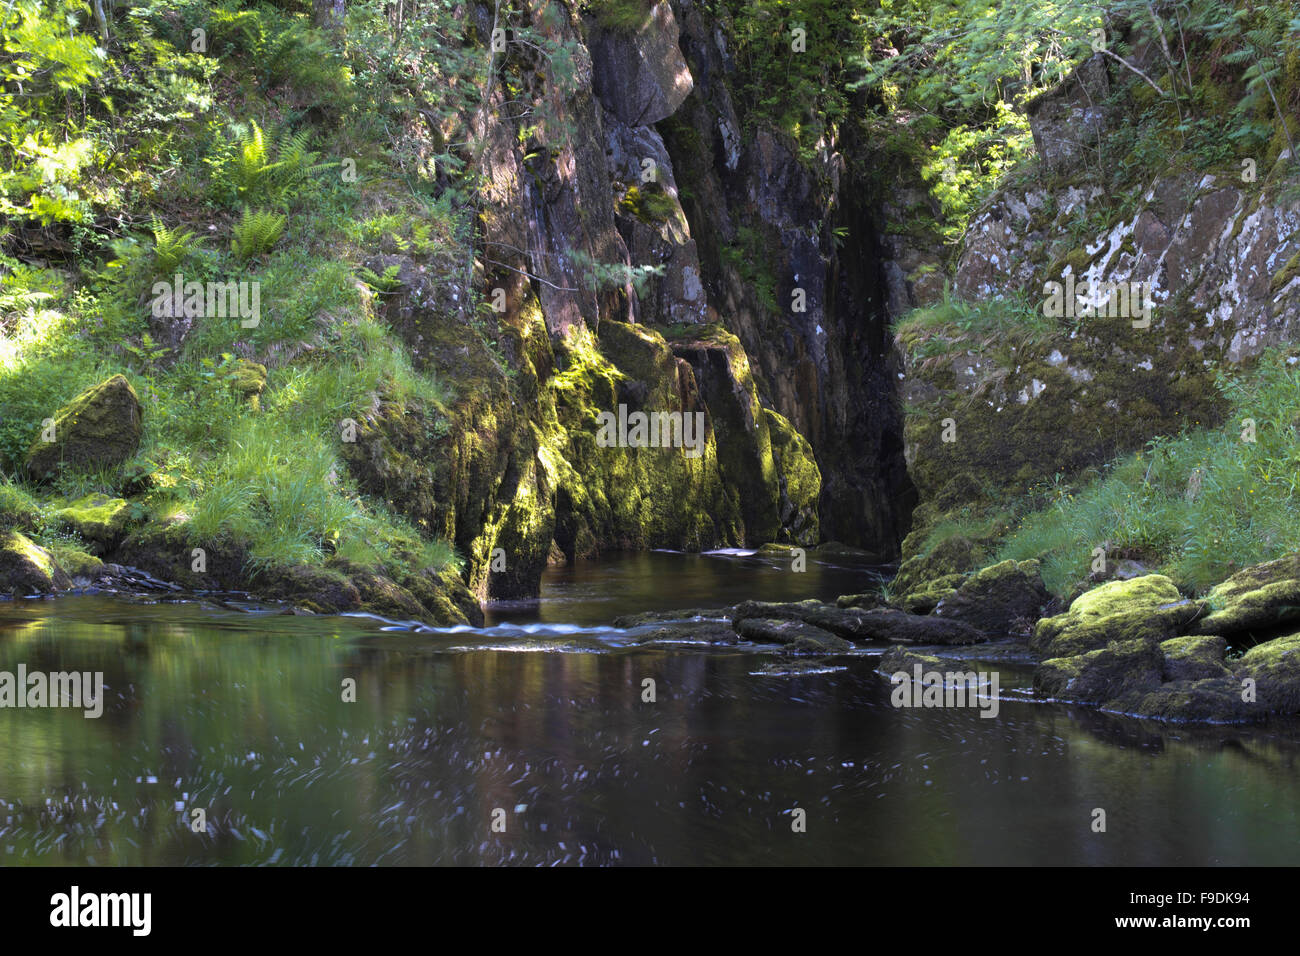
(328, 14)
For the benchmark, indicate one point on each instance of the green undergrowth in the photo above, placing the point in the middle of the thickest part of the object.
(272, 158)
(1197, 507)
(992, 328)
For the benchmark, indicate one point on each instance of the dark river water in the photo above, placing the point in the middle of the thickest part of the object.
(538, 721)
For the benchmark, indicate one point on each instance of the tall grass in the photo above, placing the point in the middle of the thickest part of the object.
(1197, 507)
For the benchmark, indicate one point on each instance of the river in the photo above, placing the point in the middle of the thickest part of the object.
(538, 721)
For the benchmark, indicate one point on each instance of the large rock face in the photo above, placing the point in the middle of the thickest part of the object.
(640, 74)
(639, 165)
(100, 428)
(811, 313)
(1215, 253)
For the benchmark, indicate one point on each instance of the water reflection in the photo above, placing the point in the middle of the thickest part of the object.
(243, 715)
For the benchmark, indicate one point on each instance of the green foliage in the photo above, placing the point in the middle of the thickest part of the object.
(952, 326)
(282, 51)
(1197, 507)
(607, 275)
(749, 256)
(256, 233)
(44, 67)
(249, 170)
(385, 284)
(171, 248)
(806, 94)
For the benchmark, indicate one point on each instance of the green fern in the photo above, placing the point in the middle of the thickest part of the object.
(257, 232)
(385, 284)
(171, 247)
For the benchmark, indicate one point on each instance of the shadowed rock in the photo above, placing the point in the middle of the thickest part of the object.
(1005, 598)
(27, 568)
(799, 635)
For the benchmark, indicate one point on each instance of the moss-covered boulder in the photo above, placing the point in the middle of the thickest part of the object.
(99, 520)
(1005, 598)
(248, 381)
(27, 568)
(902, 659)
(1257, 599)
(100, 428)
(926, 598)
(1194, 658)
(954, 554)
(864, 601)
(1145, 608)
(83, 568)
(1102, 675)
(1275, 668)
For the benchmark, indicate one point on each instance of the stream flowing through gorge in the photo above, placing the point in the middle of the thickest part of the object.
(238, 710)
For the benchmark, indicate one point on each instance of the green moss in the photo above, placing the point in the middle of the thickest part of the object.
(924, 599)
(1285, 274)
(96, 518)
(650, 204)
(248, 380)
(99, 428)
(25, 567)
(1255, 599)
(1142, 608)
(1078, 260)
(626, 16)
(74, 561)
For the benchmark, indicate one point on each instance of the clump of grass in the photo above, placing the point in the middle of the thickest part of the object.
(950, 326)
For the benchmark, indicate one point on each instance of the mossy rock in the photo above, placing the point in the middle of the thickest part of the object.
(903, 660)
(926, 598)
(799, 480)
(1102, 674)
(165, 549)
(1255, 599)
(843, 622)
(248, 380)
(683, 615)
(80, 566)
(689, 632)
(100, 428)
(99, 520)
(1145, 608)
(954, 554)
(27, 568)
(1004, 598)
(1275, 668)
(1194, 658)
(864, 601)
(885, 624)
(806, 637)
